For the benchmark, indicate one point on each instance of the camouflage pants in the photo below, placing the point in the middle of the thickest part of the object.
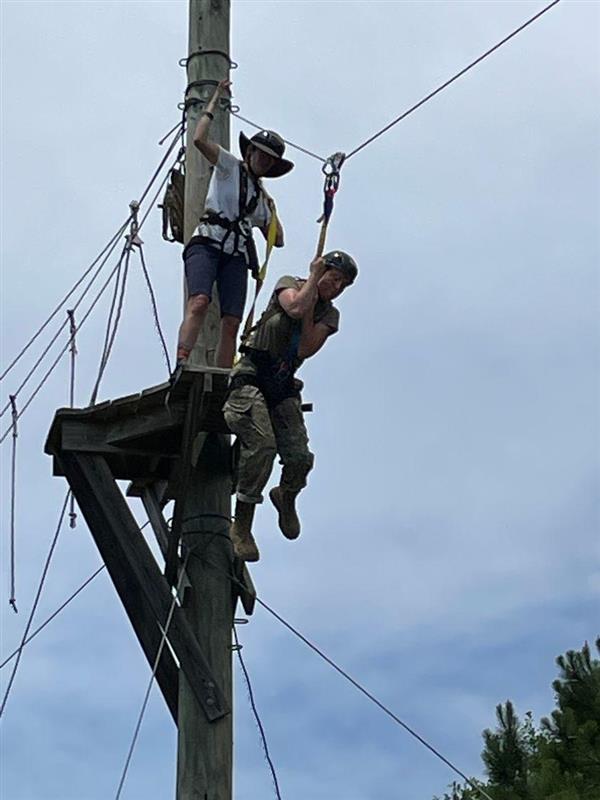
(263, 433)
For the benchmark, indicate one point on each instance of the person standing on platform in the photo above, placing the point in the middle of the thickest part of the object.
(222, 248)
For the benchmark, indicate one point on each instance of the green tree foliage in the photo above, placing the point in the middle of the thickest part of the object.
(558, 761)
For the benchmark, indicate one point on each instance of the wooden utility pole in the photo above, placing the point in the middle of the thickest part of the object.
(204, 759)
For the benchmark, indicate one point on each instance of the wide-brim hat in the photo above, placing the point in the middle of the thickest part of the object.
(271, 143)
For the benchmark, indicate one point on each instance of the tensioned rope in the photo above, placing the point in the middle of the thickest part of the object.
(64, 324)
(35, 602)
(421, 102)
(451, 80)
(115, 309)
(154, 305)
(54, 614)
(291, 144)
(238, 648)
(90, 309)
(113, 240)
(57, 611)
(354, 682)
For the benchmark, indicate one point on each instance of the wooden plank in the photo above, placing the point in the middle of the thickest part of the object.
(90, 437)
(115, 531)
(147, 425)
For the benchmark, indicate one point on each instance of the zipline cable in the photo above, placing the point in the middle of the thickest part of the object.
(291, 144)
(448, 82)
(35, 602)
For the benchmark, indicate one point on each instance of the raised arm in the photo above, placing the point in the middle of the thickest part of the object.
(210, 150)
(297, 302)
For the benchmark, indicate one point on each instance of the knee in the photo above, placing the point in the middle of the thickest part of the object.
(300, 463)
(197, 304)
(230, 326)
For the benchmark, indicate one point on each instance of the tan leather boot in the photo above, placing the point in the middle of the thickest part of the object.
(243, 542)
(283, 500)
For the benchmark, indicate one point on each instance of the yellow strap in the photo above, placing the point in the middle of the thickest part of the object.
(271, 239)
(262, 273)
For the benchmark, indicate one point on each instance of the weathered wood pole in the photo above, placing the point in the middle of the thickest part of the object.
(204, 758)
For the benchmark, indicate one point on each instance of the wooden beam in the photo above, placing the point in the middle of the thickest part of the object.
(117, 535)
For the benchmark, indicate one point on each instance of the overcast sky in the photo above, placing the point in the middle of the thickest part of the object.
(450, 530)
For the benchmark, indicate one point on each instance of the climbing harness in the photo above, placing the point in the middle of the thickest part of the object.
(331, 169)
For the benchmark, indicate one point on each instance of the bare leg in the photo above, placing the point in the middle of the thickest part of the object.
(195, 312)
(227, 339)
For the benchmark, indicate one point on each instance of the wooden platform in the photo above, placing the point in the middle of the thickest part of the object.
(140, 435)
(151, 439)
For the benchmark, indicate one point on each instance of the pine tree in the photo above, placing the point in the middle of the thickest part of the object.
(568, 764)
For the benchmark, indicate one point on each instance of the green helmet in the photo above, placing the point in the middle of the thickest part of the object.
(343, 262)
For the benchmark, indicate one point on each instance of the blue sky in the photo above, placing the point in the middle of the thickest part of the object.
(450, 529)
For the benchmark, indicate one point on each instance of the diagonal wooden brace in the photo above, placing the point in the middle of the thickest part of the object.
(145, 594)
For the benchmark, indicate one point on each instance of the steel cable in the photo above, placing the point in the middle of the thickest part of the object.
(354, 682)
(35, 603)
(114, 238)
(451, 80)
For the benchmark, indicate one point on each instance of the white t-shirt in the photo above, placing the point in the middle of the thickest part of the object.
(223, 197)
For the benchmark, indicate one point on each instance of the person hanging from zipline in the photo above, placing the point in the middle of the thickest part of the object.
(222, 248)
(263, 407)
